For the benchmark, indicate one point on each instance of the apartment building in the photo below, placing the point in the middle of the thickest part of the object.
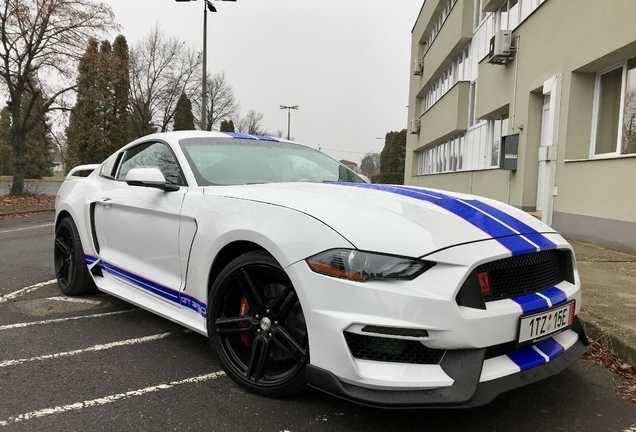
(533, 103)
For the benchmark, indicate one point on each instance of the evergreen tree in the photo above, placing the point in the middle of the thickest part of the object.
(99, 122)
(83, 132)
(230, 126)
(120, 128)
(183, 117)
(393, 157)
(224, 126)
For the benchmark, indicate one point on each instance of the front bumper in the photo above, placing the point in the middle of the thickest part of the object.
(464, 367)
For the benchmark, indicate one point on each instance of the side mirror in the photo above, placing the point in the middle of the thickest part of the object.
(149, 177)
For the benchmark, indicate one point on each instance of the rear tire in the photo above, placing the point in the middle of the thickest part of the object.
(257, 326)
(71, 271)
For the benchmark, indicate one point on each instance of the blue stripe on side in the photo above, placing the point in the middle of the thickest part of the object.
(556, 295)
(90, 260)
(551, 348)
(159, 290)
(154, 288)
(526, 358)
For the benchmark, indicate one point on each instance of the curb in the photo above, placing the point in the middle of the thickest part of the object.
(595, 329)
(25, 212)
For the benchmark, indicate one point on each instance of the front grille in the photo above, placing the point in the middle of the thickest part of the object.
(522, 274)
(517, 276)
(391, 350)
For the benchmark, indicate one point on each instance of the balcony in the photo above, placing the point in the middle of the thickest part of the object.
(448, 117)
(454, 35)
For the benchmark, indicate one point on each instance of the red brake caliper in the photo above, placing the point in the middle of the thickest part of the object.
(244, 310)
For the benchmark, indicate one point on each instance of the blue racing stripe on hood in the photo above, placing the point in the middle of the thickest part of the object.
(514, 235)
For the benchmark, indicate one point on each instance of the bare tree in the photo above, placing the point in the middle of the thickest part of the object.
(161, 69)
(221, 100)
(41, 42)
(251, 124)
(370, 163)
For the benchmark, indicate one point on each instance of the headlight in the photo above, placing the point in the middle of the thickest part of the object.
(364, 266)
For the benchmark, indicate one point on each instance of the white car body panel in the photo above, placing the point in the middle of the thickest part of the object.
(157, 249)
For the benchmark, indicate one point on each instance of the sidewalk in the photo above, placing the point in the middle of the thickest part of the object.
(608, 280)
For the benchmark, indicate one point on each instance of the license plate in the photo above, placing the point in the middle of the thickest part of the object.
(538, 326)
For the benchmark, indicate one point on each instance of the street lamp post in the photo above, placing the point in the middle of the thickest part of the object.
(289, 108)
(207, 5)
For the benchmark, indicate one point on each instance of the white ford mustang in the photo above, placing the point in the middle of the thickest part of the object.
(301, 273)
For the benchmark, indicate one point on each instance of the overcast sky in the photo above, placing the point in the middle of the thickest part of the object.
(345, 63)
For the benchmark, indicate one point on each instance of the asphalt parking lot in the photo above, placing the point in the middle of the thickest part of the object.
(98, 363)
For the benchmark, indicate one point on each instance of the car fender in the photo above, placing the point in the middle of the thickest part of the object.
(288, 235)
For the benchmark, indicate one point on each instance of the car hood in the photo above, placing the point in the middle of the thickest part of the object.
(400, 220)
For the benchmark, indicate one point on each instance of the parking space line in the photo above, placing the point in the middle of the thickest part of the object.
(94, 348)
(26, 228)
(59, 320)
(108, 399)
(23, 291)
(75, 300)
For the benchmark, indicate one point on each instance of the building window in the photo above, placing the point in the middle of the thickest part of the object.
(614, 129)
(472, 103)
(479, 15)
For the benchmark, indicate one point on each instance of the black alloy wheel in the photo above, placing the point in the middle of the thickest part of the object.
(71, 270)
(257, 326)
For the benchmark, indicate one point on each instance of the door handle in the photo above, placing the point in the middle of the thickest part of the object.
(106, 202)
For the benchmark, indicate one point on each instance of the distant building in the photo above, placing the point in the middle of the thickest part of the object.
(555, 82)
(351, 165)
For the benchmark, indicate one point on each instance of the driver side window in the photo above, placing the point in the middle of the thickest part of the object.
(151, 155)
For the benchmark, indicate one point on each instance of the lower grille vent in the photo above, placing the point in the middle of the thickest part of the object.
(391, 350)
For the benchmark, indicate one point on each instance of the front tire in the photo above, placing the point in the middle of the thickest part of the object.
(71, 270)
(257, 326)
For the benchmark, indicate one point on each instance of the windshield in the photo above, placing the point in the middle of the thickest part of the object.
(229, 161)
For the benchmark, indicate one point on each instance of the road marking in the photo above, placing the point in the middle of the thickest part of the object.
(631, 429)
(75, 300)
(58, 320)
(26, 228)
(94, 348)
(108, 399)
(23, 291)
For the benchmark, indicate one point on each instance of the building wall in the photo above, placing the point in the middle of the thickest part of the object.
(595, 198)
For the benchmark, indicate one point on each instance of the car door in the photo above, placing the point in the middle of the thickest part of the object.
(137, 227)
